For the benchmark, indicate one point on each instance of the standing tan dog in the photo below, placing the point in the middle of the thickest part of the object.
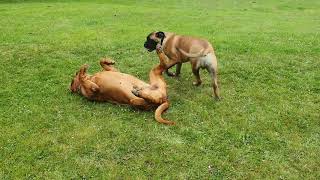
(180, 49)
(114, 86)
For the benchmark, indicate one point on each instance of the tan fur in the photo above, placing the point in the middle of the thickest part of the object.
(199, 52)
(113, 86)
(157, 91)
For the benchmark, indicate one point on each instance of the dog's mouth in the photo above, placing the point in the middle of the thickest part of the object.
(74, 89)
(150, 49)
(75, 85)
(150, 45)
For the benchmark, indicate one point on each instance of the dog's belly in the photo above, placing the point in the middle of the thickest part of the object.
(115, 86)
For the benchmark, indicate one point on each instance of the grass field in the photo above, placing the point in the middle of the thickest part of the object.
(266, 126)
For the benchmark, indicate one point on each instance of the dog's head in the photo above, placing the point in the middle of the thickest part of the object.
(75, 83)
(153, 39)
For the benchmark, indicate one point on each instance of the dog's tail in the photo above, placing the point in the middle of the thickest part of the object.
(164, 106)
(199, 54)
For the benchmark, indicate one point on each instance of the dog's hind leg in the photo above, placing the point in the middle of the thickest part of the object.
(107, 65)
(195, 71)
(216, 91)
(140, 103)
(151, 94)
(213, 71)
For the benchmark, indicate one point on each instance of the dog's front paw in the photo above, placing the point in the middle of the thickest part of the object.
(196, 83)
(159, 48)
(171, 74)
(217, 98)
(83, 70)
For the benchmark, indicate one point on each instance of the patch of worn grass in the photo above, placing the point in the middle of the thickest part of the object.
(266, 126)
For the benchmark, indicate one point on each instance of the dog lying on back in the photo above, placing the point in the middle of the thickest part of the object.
(113, 86)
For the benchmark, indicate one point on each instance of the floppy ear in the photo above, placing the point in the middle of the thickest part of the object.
(160, 35)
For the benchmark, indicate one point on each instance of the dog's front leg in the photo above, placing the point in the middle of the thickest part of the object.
(178, 68)
(164, 59)
(168, 62)
(88, 88)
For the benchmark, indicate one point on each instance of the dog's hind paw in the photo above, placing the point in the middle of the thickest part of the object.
(107, 61)
(135, 92)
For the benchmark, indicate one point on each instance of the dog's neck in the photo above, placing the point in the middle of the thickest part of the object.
(167, 36)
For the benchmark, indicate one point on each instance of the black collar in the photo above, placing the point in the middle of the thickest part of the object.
(162, 40)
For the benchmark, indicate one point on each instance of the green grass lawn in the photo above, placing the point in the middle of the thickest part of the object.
(266, 126)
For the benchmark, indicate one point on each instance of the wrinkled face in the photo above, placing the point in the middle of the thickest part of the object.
(75, 83)
(153, 39)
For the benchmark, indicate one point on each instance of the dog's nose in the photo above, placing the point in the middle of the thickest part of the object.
(145, 45)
